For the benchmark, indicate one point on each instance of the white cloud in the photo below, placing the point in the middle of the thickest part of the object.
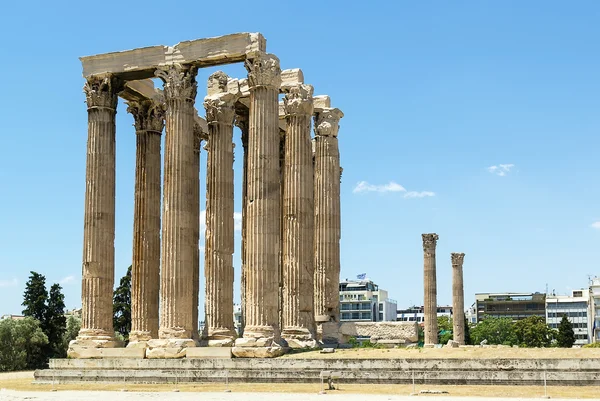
(501, 169)
(237, 221)
(416, 194)
(9, 283)
(596, 225)
(364, 186)
(67, 280)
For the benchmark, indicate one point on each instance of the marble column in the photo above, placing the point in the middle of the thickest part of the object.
(178, 217)
(263, 206)
(241, 121)
(98, 268)
(327, 216)
(218, 251)
(429, 279)
(199, 136)
(458, 298)
(298, 220)
(145, 273)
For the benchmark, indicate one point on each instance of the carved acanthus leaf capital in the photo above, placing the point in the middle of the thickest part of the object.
(298, 100)
(220, 109)
(264, 70)
(148, 115)
(179, 82)
(327, 122)
(429, 241)
(457, 258)
(102, 91)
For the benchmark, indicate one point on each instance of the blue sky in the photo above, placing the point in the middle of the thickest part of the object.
(434, 95)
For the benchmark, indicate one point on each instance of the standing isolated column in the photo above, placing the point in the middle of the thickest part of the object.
(145, 275)
(429, 278)
(327, 216)
(178, 248)
(218, 251)
(298, 221)
(458, 298)
(98, 269)
(263, 206)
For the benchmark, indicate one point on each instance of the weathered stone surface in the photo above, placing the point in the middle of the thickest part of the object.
(168, 348)
(458, 298)
(95, 353)
(298, 221)
(430, 285)
(264, 202)
(208, 353)
(327, 214)
(407, 331)
(145, 273)
(452, 344)
(166, 353)
(179, 225)
(218, 251)
(141, 63)
(258, 352)
(99, 211)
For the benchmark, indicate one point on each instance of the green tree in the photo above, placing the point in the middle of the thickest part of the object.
(73, 327)
(445, 329)
(22, 345)
(56, 322)
(467, 332)
(122, 306)
(494, 330)
(533, 332)
(565, 337)
(35, 297)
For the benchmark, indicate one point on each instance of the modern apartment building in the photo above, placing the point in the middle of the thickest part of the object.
(364, 301)
(417, 313)
(577, 309)
(516, 306)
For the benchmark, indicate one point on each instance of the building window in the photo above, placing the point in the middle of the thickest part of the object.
(355, 315)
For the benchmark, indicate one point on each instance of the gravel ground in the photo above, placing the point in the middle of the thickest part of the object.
(9, 395)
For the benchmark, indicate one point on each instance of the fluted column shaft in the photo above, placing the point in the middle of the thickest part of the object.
(430, 284)
(264, 197)
(98, 268)
(218, 251)
(298, 217)
(178, 229)
(458, 298)
(327, 216)
(145, 274)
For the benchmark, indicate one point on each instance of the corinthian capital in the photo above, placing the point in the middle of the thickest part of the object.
(327, 122)
(429, 241)
(220, 109)
(179, 81)
(102, 91)
(264, 70)
(457, 258)
(148, 115)
(298, 100)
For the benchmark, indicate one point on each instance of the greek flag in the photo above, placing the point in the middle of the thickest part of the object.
(361, 276)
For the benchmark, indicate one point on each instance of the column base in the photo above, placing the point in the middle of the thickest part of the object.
(299, 337)
(171, 348)
(136, 337)
(219, 337)
(168, 333)
(260, 336)
(90, 339)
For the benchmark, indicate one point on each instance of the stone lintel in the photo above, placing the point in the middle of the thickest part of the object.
(136, 91)
(142, 62)
(291, 77)
(321, 102)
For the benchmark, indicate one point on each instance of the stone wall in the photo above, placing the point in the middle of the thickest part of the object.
(382, 332)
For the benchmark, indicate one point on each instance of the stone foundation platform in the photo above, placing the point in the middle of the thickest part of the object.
(561, 372)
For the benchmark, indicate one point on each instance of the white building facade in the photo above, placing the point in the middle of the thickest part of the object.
(576, 308)
(417, 313)
(364, 301)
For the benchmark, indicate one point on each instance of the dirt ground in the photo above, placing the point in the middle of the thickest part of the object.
(466, 352)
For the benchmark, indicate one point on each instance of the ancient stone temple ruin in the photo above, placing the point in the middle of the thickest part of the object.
(290, 206)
